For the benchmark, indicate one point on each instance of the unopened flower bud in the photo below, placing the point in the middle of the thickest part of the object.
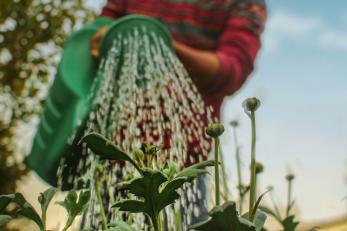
(290, 177)
(149, 149)
(138, 154)
(215, 130)
(234, 123)
(251, 104)
(259, 167)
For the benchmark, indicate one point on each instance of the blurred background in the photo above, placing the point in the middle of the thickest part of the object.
(300, 78)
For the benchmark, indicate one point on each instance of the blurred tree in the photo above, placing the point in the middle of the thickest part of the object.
(31, 35)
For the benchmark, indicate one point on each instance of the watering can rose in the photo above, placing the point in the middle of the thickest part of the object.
(215, 130)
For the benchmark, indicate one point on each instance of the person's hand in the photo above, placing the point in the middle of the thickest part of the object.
(95, 41)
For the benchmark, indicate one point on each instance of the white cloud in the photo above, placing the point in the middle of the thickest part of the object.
(284, 26)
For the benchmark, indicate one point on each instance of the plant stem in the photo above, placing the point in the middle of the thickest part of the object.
(155, 222)
(239, 177)
(252, 193)
(277, 211)
(238, 167)
(216, 169)
(289, 197)
(102, 209)
(44, 221)
(224, 175)
(178, 221)
(68, 224)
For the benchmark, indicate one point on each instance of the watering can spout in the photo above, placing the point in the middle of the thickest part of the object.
(69, 103)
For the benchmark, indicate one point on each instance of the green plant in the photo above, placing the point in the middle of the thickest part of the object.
(97, 176)
(242, 189)
(250, 105)
(225, 217)
(288, 222)
(44, 200)
(74, 205)
(23, 208)
(215, 130)
(154, 188)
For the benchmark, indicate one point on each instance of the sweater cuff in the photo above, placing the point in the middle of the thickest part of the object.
(226, 79)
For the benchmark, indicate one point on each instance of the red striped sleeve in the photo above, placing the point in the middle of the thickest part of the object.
(239, 44)
(114, 8)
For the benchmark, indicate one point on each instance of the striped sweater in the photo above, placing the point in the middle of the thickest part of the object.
(230, 28)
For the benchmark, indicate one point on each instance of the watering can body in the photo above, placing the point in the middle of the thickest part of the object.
(69, 100)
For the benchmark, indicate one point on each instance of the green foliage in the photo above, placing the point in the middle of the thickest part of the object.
(288, 223)
(5, 200)
(75, 205)
(120, 226)
(31, 36)
(256, 206)
(155, 189)
(27, 210)
(224, 218)
(106, 149)
(4, 219)
(44, 200)
(23, 208)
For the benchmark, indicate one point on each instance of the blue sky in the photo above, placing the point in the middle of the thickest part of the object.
(301, 79)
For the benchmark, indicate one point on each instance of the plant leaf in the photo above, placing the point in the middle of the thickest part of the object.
(26, 210)
(202, 165)
(147, 184)
(291, 205)
(120, 226)
(5, 200)
(256, 205)
(168, 194)
(195, 170)
(106, 149)
(224, 218)
(44, 200)
(147, 187)
(289, 224)
(133, 206)
(75, 205)
(4, 219)
(259, 220)
(271, 213)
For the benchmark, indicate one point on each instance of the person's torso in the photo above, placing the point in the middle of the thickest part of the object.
(196, 23)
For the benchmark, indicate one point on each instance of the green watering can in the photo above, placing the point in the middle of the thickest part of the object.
(69, 102)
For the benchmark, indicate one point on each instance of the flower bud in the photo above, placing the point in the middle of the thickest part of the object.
(234, 123)
(170, 169)
(149, 149)
(138, 154)
(290, 177)
(259, 167)
(251, 104)
(215, 130)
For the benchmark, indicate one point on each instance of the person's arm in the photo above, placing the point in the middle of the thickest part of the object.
(226, 69)
(203, 66)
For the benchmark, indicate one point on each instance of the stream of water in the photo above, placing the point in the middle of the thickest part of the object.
(145, 95)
